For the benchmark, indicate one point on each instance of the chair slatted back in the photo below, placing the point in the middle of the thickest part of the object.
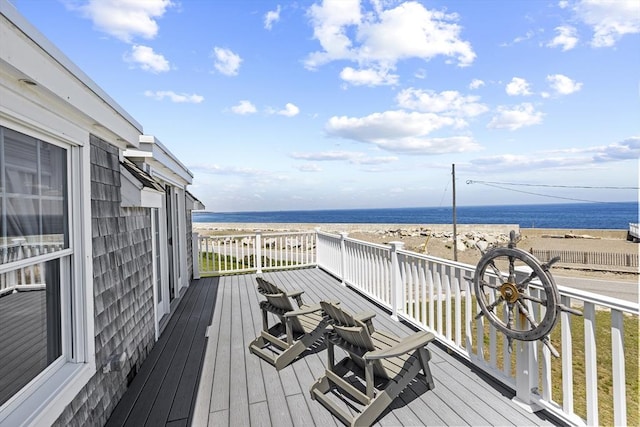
(266, 287)
(280, 304)
(354, 332)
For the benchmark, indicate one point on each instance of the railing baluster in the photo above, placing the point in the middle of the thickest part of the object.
(618, 358)
(591, 363)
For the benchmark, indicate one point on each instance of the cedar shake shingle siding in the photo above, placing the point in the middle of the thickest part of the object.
(122, 285)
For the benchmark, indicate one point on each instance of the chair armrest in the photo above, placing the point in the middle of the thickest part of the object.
(365, 316)
(406, 345)
(294, 294)
(307, 309)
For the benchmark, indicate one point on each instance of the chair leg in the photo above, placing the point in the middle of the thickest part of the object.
(331, 357)
(265, 321)
(369, 378)
(425, 356)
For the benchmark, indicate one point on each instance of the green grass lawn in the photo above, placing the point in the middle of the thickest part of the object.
(226, 263)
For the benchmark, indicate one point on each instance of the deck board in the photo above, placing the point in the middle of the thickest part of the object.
(463, 394)
(163, 391)
(238, 388)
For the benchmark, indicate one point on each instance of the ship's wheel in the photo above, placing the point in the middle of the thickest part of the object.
(508, 303)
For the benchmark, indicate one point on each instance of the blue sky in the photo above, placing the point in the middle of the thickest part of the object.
(357, 104)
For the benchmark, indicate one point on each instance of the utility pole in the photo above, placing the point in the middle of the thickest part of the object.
(455, 232)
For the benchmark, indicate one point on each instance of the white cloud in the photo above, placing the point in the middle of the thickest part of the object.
(145, 58)
(244, 107)
(378, 39)
(368, 77)
(289, 110)
(271, 17)
(515, 117)
(230, 170)
(563, 85)
(476, 84)
(609, 19)
(125, 19)
(566, 39)
(529, 34)
(309, 167)
(226, 61)
(628, 149)
(401, 131)
(354, 157)
(518, 86)
(174, 97)
(449, 102)
(327, 155)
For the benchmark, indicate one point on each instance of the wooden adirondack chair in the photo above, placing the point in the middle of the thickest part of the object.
(389, 363)
(266, 287)
(304, 326)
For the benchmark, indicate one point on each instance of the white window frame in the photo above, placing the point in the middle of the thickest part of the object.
(43, 400)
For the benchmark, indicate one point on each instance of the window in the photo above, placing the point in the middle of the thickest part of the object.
(35, 254)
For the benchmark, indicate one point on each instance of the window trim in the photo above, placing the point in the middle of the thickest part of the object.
(42, 401)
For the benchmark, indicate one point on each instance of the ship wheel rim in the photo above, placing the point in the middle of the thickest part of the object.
(505, 291)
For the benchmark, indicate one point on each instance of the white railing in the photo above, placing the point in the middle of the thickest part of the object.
(253, 252)
(437, 295)
(23, 278)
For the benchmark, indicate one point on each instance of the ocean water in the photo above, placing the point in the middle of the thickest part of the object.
(565, 215)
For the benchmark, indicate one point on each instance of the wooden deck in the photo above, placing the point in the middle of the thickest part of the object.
(236, 388)
(163, 393)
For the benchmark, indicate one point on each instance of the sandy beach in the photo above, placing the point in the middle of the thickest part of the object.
(436, 240)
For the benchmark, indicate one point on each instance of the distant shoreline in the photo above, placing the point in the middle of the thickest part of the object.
(214, 227)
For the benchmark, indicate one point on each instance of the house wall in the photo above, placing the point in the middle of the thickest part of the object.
(122, 281)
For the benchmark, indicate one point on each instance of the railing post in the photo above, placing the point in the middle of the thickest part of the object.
(317, 257)
(397, 290)
(258, 252)
(343, 258)
(195, 254)
(526, 373)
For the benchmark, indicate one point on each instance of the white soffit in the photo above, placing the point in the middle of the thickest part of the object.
(41, 62)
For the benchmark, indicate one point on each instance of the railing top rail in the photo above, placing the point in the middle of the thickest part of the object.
(373, 245)
(327, 234)
(601, 300)
(442, 261)
(286, 233)
(253, 234)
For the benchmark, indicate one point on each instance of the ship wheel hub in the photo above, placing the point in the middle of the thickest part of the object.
(509, 292)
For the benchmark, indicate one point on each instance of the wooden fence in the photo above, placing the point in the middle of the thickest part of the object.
(588, 258)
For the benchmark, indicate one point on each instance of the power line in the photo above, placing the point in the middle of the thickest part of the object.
(491, 184)
(552, 185)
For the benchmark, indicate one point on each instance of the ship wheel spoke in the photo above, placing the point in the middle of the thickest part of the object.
(534, 299)
(527, 314)
(525, 283)
(490, 307)
(497, 271)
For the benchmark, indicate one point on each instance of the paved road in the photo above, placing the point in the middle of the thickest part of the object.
(627, 291)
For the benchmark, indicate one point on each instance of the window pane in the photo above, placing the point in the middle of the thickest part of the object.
(53, 177)
(34, 198)
(23, 219)
(30, 325)
(21, 163)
